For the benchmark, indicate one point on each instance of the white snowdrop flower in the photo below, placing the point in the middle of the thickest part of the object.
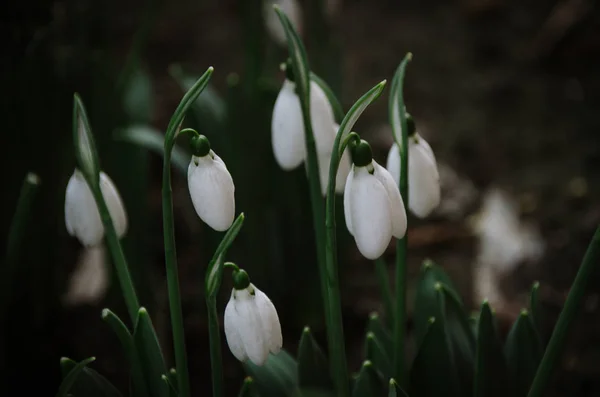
(423, 177)
(211, 186)
(291, 8)
(90, 280)
(287, 126)
(252, 327)
(82, 217)
(373, 207)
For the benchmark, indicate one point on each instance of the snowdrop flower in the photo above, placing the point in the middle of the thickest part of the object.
(291, 8)
(373, 207)
(324, 158)
(252, 327)
(287, 126)
(82, 217)
(211, 186)
(90, 280)
(423, 177)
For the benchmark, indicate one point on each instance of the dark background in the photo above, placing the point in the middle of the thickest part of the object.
(507, 93)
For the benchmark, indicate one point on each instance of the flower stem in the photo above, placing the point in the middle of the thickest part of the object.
(384, 287)
(215, 347)
(572, 304)
(173, 278)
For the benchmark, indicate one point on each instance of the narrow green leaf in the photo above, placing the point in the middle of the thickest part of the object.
(247, 389)
(89, 383)
(491, 379)
(71, 377)
(140, 387)
(523, 352)
(85, 147)
(433, 373)
(396, 390)
(376, 353)
(384, 337)
(172, 376)
(278, 377)
(396, 100)
(534, 306)
(214, 272)
(186, 102)
(171, 386)
(313, 369)
(152, 139)
(338, 110)
(151, 357)
(368, 383)
(138, 97)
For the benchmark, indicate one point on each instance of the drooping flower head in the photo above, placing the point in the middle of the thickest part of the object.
(211, 186)
(252, 327)
(373, 207)
(82, 217)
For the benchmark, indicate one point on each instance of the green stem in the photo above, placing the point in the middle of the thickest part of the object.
(214, 337)
(384, 287)
(15, 236)
(573, 303)
(173, 277)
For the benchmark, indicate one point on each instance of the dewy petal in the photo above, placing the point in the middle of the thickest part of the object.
(348, 202)
(370, 214)
(82, 218)
(287, 128)
(232, 330)
(250, 327)
(114, 204)
(212, 191)
(269, 320)
(294, 13)
(393, 163)
(424, 180)
(398, 212)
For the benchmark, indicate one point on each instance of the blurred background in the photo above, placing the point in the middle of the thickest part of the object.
(506, 92)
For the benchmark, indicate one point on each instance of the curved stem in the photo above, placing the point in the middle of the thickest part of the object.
(172, 275)
(574, 301)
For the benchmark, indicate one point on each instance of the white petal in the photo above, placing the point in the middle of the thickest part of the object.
(287, 128)
(81, 214)
(343, 172)
(212, 191)
(398, 212)
(293, 11)
(321, 113)
(393, 163)
(423, 178)
(323, 160)
(270, 321)
(232, 330)
(114, 203)
(370, 213)
(250, 326)
(89, 281)
(348, 202)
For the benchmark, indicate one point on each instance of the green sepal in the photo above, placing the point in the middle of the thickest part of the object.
(278, 377)
(150, 354)
(313, 369)
(433, 373)
(72, 374)
(89, 383)
(491, 377)
(368, 383)
(523, 351)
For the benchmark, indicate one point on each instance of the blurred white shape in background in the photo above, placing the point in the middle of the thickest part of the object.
(89, 281)
(291, 8)
(504, 243)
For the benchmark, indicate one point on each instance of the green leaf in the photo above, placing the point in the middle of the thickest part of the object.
(433, 373)
(85, 147)
(140, 387)
(214, 272)
(172, 387)
(534, 306)
(377, 354)
(137, 98)
(247, 389)
(398, 115)
(368, 383)
(396, 390)
(523, 352)
(89, 383)
(278, 377)
(152, 139)
(72, 375)
(151, 357)
(491, 377)
(308, 392)
(338, 110)
(384, 337)
(172, 375)
(313, 369)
